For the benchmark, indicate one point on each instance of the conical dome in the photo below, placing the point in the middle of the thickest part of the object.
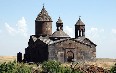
(59, 24)
(79, 22)
(59, 21)
(60, 34)
(43, 16)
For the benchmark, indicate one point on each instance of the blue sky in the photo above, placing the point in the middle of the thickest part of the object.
(17, 22)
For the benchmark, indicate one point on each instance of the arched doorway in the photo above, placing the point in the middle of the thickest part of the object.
(70, 56)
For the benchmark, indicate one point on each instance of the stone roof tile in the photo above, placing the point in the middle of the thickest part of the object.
(79, 22)
(59, 33)
(43, 16)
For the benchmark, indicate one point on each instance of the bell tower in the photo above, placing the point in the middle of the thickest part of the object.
(59, 24)
(43, 24)
(79, 29)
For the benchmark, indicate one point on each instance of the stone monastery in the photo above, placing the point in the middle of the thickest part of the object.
(45, 45)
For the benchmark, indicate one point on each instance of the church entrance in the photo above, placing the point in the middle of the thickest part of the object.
(70, 56)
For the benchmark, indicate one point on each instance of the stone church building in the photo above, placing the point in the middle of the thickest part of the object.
(45, 45)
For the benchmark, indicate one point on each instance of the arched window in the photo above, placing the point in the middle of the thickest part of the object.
(70, 56)
(78, 32)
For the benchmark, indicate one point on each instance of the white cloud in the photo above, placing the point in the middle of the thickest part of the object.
(11, 30)
(113, 31)
(94, 32)
(21, 28)
(69, 31)
(96, 35)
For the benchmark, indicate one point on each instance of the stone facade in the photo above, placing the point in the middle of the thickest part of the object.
(72, 48)
(58, 46)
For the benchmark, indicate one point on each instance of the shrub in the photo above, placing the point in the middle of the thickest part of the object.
(13, 67)
(51, 66)
(47, 67)
(56, 67)
(113, 69)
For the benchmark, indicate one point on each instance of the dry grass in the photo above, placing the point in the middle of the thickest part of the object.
(7, 58)
(105, 63)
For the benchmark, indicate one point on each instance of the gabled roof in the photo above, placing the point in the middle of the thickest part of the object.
(43, 39)
(79, 40)
(82, 39)
(79, 22)
(59, 33)
(43, 16)
(90, 41)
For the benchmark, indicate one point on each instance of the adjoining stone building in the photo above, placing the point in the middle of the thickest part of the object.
(58, 46)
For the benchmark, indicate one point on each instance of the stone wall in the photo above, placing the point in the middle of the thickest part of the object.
(81, 51)
(43, 28)
(36, 52)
